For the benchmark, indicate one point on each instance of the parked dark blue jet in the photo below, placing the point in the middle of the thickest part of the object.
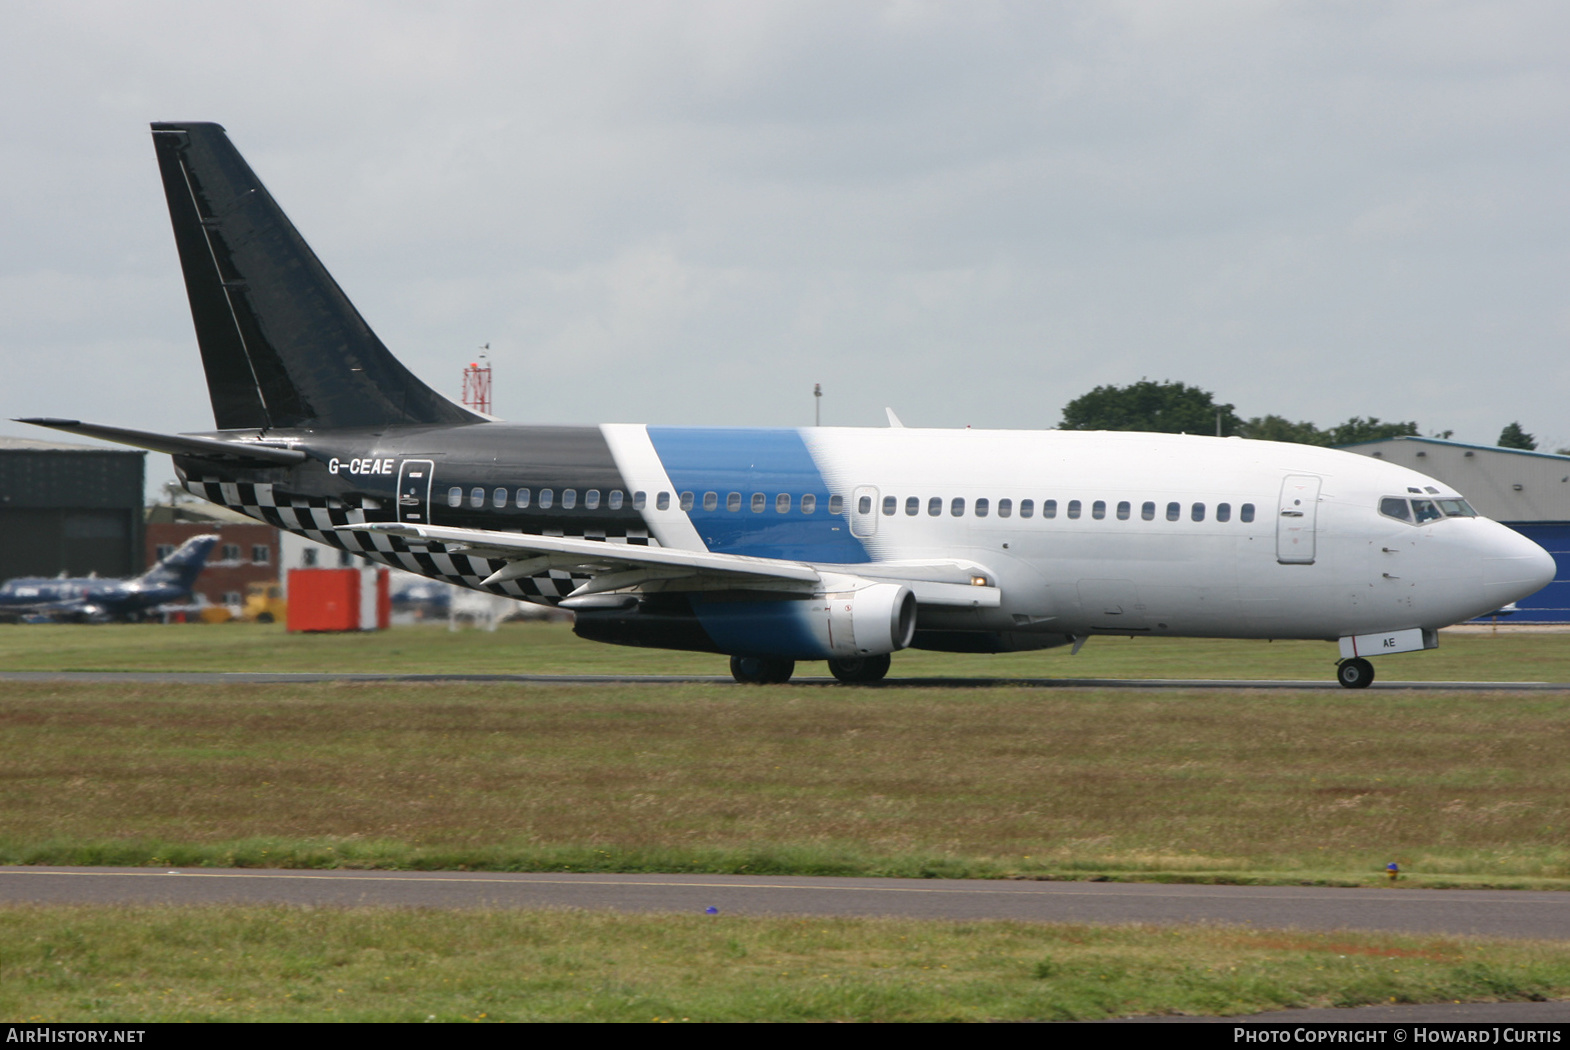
(92, 598)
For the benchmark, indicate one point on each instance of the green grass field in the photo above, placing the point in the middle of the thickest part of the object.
(1235, 785)
(543, 648)
(1230, 785)
(279, 964)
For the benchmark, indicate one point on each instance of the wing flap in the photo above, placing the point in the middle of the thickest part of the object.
(595, 555)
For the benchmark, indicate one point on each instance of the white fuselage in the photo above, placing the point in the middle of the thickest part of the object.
(1329, 567)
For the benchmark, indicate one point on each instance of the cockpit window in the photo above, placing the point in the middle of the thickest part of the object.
(1423, 511)
(1391, 507)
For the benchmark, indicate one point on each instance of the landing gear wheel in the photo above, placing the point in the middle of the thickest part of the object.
(859, 670)
(1355, 673)
(761, 670)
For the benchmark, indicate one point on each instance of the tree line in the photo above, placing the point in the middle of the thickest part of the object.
(1177, 408)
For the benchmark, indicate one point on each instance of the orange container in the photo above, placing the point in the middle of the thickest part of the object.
(338, 600)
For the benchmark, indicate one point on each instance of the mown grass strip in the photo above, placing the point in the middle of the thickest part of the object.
(1234, 786)
(279, 964)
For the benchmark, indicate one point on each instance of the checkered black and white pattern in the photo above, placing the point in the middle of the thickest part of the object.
(315, 516)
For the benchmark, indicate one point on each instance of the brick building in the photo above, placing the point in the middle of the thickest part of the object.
(246, 553)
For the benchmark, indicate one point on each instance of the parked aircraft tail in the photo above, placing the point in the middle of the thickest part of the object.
(184, 565)
(281, 344)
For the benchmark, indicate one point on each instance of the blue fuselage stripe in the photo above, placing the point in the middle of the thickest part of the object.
(751, 462)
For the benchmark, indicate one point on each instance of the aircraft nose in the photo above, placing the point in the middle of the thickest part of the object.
(1515, 567)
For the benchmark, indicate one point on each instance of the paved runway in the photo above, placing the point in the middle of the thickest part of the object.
(1500, 913)
(264, 678)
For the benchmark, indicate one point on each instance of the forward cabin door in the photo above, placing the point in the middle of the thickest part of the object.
(414, 491)
(1295, 520)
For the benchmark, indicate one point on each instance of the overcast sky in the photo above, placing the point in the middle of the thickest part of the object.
(690, 213)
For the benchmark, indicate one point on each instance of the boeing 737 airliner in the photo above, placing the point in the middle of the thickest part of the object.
(779, 545)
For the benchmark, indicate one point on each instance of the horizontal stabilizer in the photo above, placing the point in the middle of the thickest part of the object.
(242, 450)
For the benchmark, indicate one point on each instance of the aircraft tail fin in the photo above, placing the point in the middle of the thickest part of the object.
(281, 344)
(185, 564)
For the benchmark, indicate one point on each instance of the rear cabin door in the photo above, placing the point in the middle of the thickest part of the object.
(414, 491)
(1295, 520)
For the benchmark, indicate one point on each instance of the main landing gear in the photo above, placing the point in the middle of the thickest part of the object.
(859, 670)
(761, 670)
(768, 670)
(1355, 673)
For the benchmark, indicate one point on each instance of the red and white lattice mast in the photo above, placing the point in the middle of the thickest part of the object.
(477, 384)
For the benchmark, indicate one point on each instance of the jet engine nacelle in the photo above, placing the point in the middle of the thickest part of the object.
(870, 621)
(857, 618)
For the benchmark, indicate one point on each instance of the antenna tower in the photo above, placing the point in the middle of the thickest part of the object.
(477, 383)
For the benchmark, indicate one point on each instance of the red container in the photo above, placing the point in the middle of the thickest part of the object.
(338, 600)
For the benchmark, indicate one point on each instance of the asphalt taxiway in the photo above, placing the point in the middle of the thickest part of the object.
(1497, 913)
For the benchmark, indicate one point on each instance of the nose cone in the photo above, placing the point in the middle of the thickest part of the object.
(1514, 567)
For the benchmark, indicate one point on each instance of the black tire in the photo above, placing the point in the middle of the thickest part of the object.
(761, 670)
(1356, 673)
(860, 670)
(265, 617)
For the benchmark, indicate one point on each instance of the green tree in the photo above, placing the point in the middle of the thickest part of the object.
(1165, 407)
(1357, 430)
(1513, 436)
(1279, 428)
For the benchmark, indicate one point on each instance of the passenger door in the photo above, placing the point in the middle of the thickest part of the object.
(1295, 516)
(414, 491)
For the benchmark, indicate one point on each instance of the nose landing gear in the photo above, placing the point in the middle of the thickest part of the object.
(1355, 673)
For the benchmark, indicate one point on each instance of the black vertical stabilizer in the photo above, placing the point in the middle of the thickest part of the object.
(281, 344)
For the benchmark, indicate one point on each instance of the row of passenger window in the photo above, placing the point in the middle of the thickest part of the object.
(545, 499)
(783, 503)
(1049, 508)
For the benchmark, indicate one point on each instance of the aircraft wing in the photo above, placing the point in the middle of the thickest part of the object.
(619, 566)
